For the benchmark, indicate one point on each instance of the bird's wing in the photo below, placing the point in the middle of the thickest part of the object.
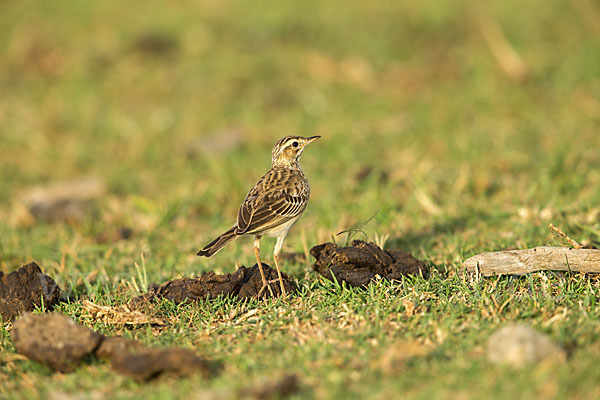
(279, 196)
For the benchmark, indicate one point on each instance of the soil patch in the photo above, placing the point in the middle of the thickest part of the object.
(24, 290)
(243, 283)
(361, 262)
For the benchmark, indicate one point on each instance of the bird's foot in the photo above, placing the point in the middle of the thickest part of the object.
(265, 286)
(283, 292)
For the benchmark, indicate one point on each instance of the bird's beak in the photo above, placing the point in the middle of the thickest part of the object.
(311, 139)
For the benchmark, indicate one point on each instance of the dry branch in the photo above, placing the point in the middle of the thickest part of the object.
(519, 262)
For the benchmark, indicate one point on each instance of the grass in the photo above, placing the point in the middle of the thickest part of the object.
(176, 107)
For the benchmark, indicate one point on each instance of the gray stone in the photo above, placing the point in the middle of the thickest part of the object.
(519, 345)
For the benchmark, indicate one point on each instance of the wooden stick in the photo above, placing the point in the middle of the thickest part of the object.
(519, 262)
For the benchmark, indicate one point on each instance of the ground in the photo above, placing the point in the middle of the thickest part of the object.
(462, 127)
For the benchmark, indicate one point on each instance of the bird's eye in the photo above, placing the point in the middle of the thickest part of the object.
(295, 144)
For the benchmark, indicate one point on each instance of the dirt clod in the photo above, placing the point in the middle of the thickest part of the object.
(57, 341)
(361, 262)
(53, 339)
(113, 235)
(244, 283)
(117, 345)
(24, 289)
(138, 361)
(156, 44)
(148, 363)
(58, 202)
(277, 389)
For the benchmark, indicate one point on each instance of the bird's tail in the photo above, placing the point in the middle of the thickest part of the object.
(218, 243)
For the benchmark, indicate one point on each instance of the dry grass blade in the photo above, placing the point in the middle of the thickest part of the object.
(560, 233)
(121, 315)
(504, 53)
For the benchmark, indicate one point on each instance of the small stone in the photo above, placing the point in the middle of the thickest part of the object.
(519, 345)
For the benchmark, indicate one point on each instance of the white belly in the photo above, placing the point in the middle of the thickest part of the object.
(280, 230)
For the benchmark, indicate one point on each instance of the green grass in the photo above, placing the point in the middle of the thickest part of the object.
(471, 161)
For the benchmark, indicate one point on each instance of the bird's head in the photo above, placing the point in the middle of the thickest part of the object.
(288, 149)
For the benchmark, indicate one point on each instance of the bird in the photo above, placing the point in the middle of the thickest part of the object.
(273, 205)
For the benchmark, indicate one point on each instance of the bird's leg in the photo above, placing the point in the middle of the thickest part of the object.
(260, 268)
(276, 259)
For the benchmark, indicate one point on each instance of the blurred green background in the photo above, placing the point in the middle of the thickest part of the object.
(466, 126)
(181, 102)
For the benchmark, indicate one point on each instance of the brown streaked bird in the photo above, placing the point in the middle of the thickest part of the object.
(273, 205)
